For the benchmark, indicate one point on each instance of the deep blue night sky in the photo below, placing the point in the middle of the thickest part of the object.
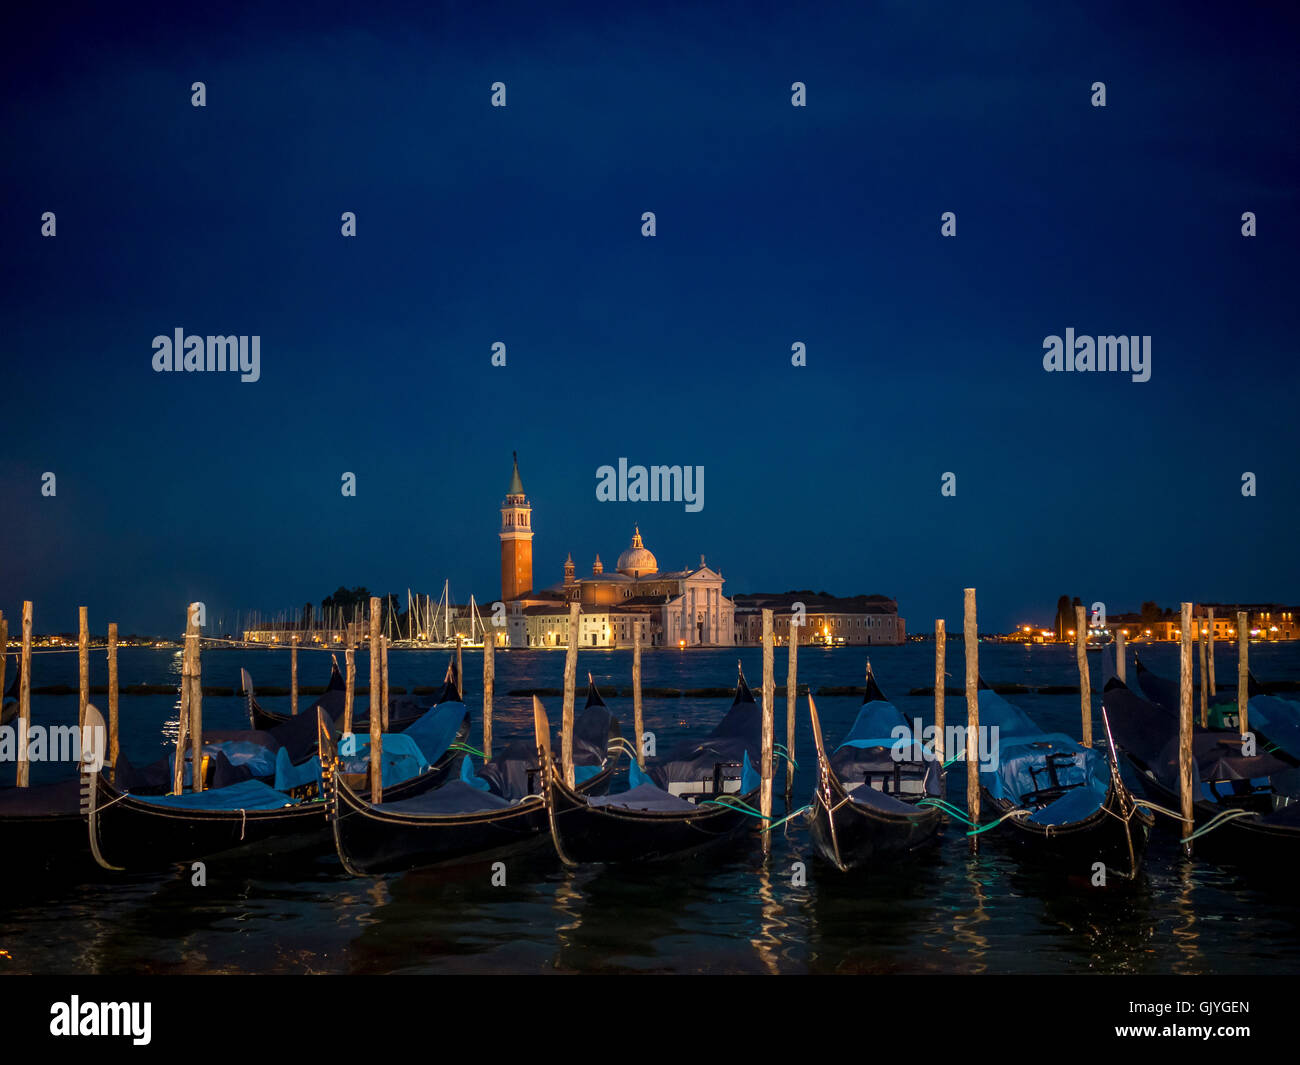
(775, 224)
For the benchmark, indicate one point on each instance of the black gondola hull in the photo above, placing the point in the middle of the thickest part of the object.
(586, 833)
(49, 835)
(1104, 836)
(855, 835)
(129, 833)
(133, 834)
(1243, 841)
(371, 839)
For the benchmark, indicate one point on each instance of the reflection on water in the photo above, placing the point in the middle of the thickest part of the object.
(946, 910)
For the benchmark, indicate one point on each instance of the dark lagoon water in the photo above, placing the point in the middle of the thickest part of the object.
(950, 911)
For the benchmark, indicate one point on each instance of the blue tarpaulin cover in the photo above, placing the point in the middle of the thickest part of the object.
(1279, 720)
(246, 795)
(401, 758)
(1023, 748)
(435, 730)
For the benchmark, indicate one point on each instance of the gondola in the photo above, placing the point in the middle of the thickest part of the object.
(496, 811)
(1248, 805)
(676, 806)
(253, 818)
(1274, 721)
(265, 720)
(1056, 798)
(867, 803)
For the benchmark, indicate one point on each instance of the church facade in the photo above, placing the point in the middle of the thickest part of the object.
(675, 608)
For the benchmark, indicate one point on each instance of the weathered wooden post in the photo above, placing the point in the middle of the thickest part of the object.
(4, 651)
(940, 690)
(83, 666)
(791, 705)
(113, 747)
(1205, 683)
(349, 695)
(460, 670)
(25, 698)
(183, 722)
(1121, 667)
(489, 682)
(293, 675)
(1185, 720)
(638, 720)
(1210, 650)
(769, 729)
(570, 678)
(972, 640)
(376, 711)
(383, 680)
(1085, 679)
(194, 638)
(1243, 672)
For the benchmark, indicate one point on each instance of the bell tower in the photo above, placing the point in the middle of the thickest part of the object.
(516, 540)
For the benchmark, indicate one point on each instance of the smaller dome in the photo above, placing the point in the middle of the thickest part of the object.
(637, 561)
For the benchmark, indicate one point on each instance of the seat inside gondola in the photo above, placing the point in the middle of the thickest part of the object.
(880, 756)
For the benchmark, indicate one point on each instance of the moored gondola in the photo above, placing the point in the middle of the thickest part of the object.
(701, 794)
(495, 811)
(253, 818)
(874, 794)
(1274, 721)
(1054, 798)
(1245, 803)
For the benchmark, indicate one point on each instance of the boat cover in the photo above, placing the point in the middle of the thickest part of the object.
(246, 795)
(1021, 767)
(645, 797)
(454, 797)
(1279, 720)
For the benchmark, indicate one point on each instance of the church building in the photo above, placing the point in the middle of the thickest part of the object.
(672, 608)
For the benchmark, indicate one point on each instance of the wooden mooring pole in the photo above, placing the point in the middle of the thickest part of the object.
(972, 640)
(1085, 678)
(383, 679)
(194, 640)
(769, 729)
(1205, 681)
(791, 706)
(1185, 720)
(460, 668)
(4, 651)
(376, 712)
(489, 683)
(570, 679)
(113, 747)
(940, 677)
(25, 698)
(638, 718)
(1209, 649)
(293, 675)
(1121, 668)
(83, 666)
(1243, 673)
(349, 692)
(183, 722)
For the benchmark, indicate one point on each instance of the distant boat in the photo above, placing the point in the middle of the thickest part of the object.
(865, 807)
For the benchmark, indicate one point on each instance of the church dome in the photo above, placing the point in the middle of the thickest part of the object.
(637, 561)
